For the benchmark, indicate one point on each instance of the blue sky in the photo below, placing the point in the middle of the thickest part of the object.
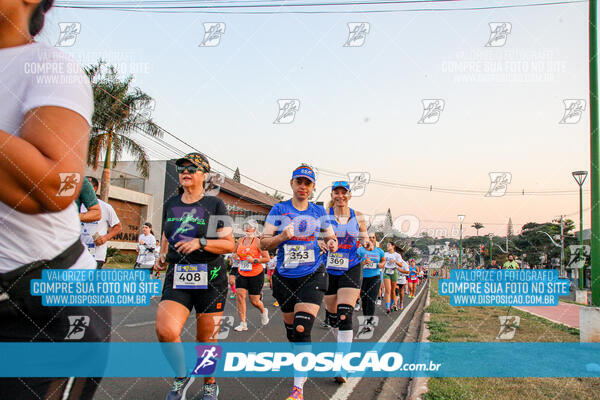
(359, 106)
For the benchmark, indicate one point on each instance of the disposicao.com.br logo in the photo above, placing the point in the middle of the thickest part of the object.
(324, 362)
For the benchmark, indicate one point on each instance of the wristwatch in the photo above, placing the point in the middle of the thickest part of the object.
(203, 243)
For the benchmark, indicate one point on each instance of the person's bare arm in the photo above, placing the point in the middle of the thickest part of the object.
(264, 257)
(223, 245)
(112, 232)
(330, 241)
(162, 254)
(270, 241)
(363, 234)
(52, 140)
(94, 213)
(400, 265)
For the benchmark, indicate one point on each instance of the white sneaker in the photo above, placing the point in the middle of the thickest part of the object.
(243, 326)
(264, 317)
(378, 302)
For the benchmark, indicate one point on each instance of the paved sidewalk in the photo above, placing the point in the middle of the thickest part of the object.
(563, 313)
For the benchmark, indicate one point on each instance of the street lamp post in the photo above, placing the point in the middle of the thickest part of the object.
(579, 177)
(461, 218)
(491, 235)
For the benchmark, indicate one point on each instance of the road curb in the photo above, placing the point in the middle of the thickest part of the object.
(418, 386)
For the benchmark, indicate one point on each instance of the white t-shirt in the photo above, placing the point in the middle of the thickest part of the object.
(402, 276)
(33, 76)
(146, 246)
(107, 219)
(389, 260)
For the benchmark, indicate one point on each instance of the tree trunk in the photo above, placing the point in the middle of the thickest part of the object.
(105, 182)
(105, 186)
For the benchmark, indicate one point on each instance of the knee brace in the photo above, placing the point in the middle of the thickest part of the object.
(289, 330)
(306, 321)
(331, 319)
(344, 315)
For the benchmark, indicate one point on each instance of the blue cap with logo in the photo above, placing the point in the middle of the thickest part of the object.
(342, 184)
(304, 172)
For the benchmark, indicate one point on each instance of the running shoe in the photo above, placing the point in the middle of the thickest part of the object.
(340, 379)
(276, 304)
(232, 296)
(357, 307)
(264, 317)
(180, 387)
(211, 391)
(387, 310)
(326, 325)
(378, 302)
(295, 394)
(243, 326)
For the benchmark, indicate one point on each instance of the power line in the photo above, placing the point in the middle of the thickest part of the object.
(195, 149)
(460, 191)
(206, 9)
(185, 5)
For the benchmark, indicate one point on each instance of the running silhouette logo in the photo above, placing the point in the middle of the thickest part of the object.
(77, 326)
(579, 255)
(223, 326)
(574, 108)
(432, 109)
(508, 327)
(212, 34)
(358, 182)
(207, 359)
(357, 34)
(68, 183)
(68, 33)
(145, 108)
(287, 111)
(498, 183)
(499, 32)
(366, 327)
(213, 183)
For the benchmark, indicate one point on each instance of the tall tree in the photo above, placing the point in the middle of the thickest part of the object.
(116, 117)
(509, 228)
(236, 175)
(389, 223)
(477, 226)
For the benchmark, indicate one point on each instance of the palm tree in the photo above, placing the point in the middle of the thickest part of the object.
(477, 226)
(116, 117)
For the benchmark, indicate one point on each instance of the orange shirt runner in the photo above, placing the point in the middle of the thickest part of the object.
(245, 250)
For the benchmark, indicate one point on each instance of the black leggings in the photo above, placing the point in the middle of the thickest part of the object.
(368, 294)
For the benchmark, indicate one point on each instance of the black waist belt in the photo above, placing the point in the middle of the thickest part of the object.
(17, 281)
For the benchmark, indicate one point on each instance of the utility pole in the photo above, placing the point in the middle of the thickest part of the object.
(562, 247)
(594, 152)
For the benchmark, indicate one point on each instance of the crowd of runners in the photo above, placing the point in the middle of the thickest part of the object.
(315, 256)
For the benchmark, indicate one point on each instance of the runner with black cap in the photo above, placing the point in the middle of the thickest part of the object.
(344, 268)
(196, 233)
(301, 231)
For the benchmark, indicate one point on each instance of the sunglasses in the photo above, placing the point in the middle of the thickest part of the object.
(192, 169)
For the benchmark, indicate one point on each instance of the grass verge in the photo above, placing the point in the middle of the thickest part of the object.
(481, 324)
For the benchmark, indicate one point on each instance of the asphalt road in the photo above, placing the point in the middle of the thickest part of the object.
(136, 324)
